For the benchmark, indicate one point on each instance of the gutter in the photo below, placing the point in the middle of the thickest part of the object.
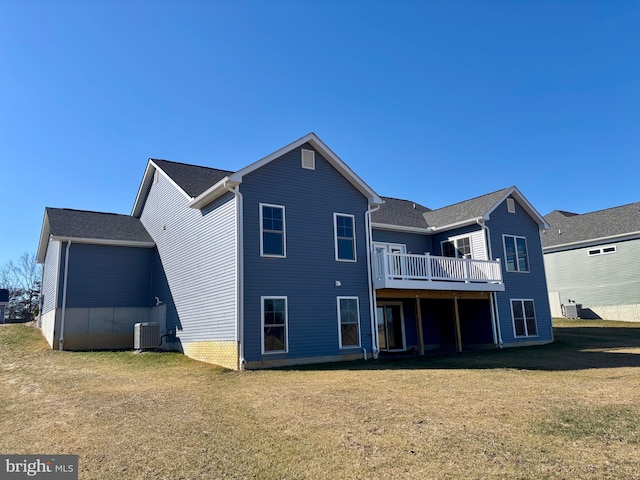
(493, 298)
(373, 307)
(239, 271)
(64, 296)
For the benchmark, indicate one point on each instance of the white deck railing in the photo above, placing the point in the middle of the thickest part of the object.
(412, 267)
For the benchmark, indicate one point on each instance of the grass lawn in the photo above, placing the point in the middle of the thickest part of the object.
(568, 410)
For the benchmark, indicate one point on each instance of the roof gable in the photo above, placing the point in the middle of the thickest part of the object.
(571, 230)
(405, 214)
(467, 211)
(91, 227)
(202, 185)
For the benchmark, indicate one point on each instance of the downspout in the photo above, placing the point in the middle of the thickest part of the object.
(373, 306)
(64, 296)
(239, 274)
(495, 314)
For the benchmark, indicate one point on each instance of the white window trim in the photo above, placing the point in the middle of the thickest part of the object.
(513, 319)
(357, 299)
(511, 205)
(388, 247)
(455, 244)
(286, 325)
(504, 250)
(601, 250)
(284, 232)
(312, 155)
(335, 237)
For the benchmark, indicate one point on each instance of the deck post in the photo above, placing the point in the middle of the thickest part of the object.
(457, 319)
(419, 319)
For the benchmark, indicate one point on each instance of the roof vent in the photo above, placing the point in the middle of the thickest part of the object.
(308, 159)
(511, 205)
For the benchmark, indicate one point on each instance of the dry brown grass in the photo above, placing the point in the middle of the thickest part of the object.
(568, 410)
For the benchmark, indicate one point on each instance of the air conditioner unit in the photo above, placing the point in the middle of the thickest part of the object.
(572, 310)
(146, 335)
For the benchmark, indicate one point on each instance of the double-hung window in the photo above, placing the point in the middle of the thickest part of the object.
(345, 237)
(515, 253)
(524, 318)
(272, 231)
(274, 325)
(457, 248)
(348, 322)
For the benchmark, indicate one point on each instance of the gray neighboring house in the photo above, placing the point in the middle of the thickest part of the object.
(4, 301)
(592, 260)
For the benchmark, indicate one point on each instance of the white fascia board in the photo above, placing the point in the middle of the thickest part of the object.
(147, 178)
(592, 242)
(212, 193)
(44, 240)
(533, 213)
(462, 223)
(327, 153)
(100, 241)
(401, 228)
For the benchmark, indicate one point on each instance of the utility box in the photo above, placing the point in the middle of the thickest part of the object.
(146, 335)
(572, 310)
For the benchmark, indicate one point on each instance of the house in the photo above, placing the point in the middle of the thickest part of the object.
(4, 301)
(591, 261)
(293, 259)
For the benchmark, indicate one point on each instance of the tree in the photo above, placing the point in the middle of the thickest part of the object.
(22, 279)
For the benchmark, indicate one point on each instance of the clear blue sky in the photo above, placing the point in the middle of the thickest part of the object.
(435, 101)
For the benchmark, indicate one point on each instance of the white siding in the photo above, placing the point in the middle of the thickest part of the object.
(198, 253)
(479, 246)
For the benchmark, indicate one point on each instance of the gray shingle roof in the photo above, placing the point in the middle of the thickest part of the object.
(64, 222)
(567, 228)
(193, 179)
(395, 211)
(466, 210)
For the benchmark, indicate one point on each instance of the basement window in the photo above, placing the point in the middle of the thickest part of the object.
(602, 250)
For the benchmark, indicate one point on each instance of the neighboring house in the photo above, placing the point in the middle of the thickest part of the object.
(4, 301)
(592, 261)
(293, 259)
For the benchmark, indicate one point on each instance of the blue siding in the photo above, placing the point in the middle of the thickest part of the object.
(308, 274)
(108, 276)
(520, 285)
(415, 242)
(194, 269)
(50, 276)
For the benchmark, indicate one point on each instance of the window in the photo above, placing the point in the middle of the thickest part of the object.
(524, 318)
(272, 238)
(457, 248)
(349, 322)
(308, 159)
(345, 239)
(602, 250)
(515, 253)
(511, 205)
(274, 325)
